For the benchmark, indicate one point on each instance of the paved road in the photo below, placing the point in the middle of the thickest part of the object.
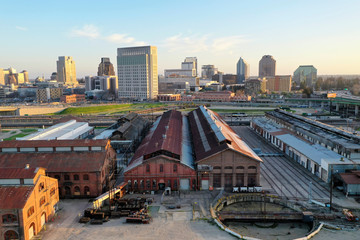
(287, 178)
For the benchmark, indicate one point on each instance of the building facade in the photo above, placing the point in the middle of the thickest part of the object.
(242, 71)
(267, 66)
(48, 94)
(279, 83)
(164, 158)
(254, 86)
(106, 68)
(10, 76)
(306, 74)
(83, 167)
(28, 200)
(105, 83)
(137, 72)
(73, 98)
(66, 71)
(208, 71)
(223, 159)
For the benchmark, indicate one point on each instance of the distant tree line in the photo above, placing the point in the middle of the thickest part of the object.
(338, 83)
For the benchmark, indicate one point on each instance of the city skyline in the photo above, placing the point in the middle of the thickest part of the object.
(324, 35)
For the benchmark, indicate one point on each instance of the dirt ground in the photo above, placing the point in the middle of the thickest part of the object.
(166, 224)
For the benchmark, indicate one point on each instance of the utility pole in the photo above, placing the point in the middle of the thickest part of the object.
(331, 186)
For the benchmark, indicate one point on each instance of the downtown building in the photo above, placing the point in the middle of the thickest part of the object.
(137, 72)
(66, 72)
(305, 74)
(187, 74)
(267, 66)
(279, 83)
(242, 71)
(106, 68)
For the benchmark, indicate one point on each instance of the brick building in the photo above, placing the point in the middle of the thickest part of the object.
(28, 199)
(164, 158)
(83, 167)
(223, 159)
(73, 98)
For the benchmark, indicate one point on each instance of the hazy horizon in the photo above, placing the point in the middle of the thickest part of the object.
(322, 33)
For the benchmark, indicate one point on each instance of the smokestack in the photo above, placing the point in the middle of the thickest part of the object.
(27, 166)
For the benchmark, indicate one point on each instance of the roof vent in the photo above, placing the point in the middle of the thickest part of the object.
(164, 136)
(27, 166)
(342, 159)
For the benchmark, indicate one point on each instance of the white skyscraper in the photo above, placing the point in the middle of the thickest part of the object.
(137, 72)
(66, 72)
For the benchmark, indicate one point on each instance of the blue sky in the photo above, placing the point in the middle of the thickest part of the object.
(323, 33)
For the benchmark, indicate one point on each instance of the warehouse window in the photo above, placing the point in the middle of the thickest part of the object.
(175, 168)
(86, 190)
(217, 167)
(57, 177)
(66, 177)
(9, 218)
(239, 167)
(252, 167)
(52, 191)
(228, 167)
(30, 211)
(86, 177)
(42, 201)
(161, 168)
(41, 186)
(147, 168)
(76, 177)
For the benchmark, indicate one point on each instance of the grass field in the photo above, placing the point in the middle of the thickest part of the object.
(109, 109)
(248, 111)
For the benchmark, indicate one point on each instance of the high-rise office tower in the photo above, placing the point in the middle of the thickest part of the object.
(306, 74)
(242, 71)
(137, 72)
(267, 66)
(190, 63)
(208, 71)
(106, 68)
(66, 72)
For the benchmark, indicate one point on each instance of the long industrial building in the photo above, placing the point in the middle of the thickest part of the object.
(320, 161)
(198, 151)
(345, 143)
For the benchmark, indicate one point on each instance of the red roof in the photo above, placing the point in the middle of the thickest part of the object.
(233, 141)
(15, 173)
(56, 162)
(14, 197)
(53, 143)
(167, 136)
(351, 178)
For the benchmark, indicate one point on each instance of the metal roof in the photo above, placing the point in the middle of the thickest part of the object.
(314, 152)
(106, 134)
(66, 130)
(16, 173)
(170, 132)
(14, 197)
(54, 143)
(211, 134)
(57, 162)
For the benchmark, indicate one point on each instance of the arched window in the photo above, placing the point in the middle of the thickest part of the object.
(42, 201)
(154, 184)
(161, 168)
(135, 184)
(77, 190)
(57, 177)
(251, 167)
(228, 167)
(30, 211)
(9, 218)
(66, 177)
(239, 167)
(52, 191)
(175, 167)
(148, 185)
(41, 186)
(86, 190)
(76, 177)
(129, 184)
(11, 235)
(142, 184)
(67, 190)
(217, 167)
(86, 177)
(147, 168)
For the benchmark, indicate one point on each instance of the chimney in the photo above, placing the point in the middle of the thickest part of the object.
(27, 166)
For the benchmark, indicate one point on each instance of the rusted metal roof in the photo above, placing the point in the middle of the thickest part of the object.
(351, 178)
(166, 135)
(14, 197)
(16, 173)
(208, 142)
(56, 162)
(54, 143)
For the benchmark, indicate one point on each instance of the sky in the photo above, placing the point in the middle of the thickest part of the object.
(323, 33)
